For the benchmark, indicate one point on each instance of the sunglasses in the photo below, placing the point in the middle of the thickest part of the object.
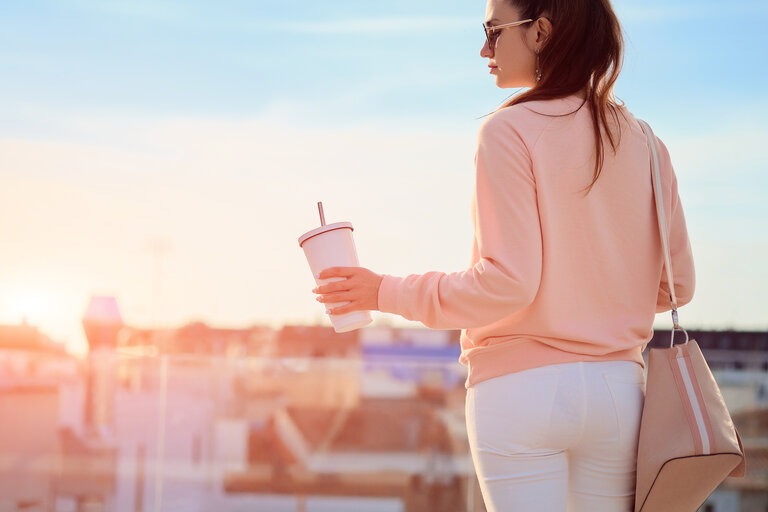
(492, 33)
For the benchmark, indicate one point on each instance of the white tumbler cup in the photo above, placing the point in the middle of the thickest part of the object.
(328, 246)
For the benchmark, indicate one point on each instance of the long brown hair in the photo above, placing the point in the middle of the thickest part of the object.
(583, 53)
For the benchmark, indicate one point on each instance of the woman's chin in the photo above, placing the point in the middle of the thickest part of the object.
(503, 83)
(511, 84)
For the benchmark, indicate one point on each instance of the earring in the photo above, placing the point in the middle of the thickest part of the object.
(538, 71)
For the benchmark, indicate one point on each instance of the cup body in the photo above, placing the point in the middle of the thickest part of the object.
(332, 245)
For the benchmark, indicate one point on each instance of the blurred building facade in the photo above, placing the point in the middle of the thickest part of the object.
(205, 418)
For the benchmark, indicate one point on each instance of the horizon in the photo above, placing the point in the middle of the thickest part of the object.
(382, 322)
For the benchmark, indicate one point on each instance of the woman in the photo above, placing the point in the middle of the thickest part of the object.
(566, 273)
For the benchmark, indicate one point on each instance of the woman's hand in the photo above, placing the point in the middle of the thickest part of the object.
(360, 288)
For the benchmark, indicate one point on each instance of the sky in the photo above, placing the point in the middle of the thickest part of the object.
(171, 153)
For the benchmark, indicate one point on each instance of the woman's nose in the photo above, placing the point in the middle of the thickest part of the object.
(486, 51)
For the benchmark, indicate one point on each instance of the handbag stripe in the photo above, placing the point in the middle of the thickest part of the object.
(682, 394)
(694, 401)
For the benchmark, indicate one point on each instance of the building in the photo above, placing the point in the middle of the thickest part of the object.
(205, 418)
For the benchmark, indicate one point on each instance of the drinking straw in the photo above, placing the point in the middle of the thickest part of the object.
(322, 215)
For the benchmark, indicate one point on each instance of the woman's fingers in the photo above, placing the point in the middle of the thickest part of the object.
(336, 297)
(358, 288)
(337, 272)
(346, 308)
(336, 286)
(350, 298)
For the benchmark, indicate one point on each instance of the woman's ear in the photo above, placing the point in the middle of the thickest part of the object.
(543, 30)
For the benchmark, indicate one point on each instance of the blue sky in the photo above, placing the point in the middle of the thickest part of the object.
(420, 58)
(211, 124)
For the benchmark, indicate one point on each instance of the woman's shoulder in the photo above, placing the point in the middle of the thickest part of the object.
(510, 114)
(517, 117)
(531, 117)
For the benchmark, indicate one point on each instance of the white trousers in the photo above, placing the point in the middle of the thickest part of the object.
(558, 438)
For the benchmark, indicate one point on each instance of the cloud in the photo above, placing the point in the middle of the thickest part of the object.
(247, 19)
(165, 10)
(394, 26)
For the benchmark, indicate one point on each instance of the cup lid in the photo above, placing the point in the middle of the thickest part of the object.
(324, 229)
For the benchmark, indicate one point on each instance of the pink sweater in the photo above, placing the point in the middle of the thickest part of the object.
(555, 276)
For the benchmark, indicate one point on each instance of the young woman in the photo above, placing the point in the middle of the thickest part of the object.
(566, 273)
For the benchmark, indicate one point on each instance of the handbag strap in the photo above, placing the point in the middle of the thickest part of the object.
(662, 220)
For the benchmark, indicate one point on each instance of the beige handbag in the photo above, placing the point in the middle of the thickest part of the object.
(688, 444)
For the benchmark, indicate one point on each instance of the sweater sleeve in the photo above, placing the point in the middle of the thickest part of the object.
(506, 274)
(679, 246)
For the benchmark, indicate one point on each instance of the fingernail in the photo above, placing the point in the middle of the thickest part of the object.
(317, 275)
(314, 290)
(327, 311)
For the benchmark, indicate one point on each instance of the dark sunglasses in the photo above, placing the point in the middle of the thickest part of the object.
(492, 33)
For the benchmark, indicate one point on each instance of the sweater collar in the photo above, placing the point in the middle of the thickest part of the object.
(556, 106)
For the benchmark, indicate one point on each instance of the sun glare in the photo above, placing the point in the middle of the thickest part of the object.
(30, 306)
(47, 309)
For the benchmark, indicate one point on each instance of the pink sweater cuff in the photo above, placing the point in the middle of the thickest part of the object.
(388, 294)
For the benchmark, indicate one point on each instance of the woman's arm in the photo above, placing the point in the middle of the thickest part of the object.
(507, 272)
(680, 254)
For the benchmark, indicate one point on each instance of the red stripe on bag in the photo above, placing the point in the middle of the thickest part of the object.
(702, 405)
(687, 407)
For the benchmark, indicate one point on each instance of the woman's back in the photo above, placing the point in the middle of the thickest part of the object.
(601, 253)
(558, 275)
